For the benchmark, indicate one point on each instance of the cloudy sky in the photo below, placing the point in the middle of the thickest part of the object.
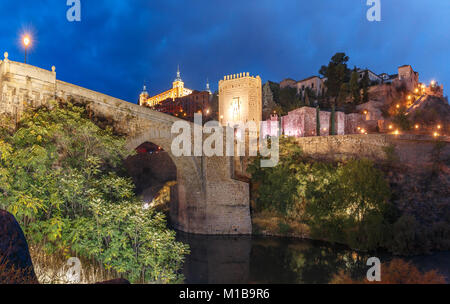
(118, 44)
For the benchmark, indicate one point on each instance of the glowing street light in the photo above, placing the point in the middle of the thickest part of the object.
(26, 43)
(439, 126)
(417, 126)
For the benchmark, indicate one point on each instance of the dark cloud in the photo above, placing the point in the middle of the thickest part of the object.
(119, 44)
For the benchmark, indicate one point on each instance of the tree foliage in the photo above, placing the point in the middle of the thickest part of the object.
(365, 83)
(355, 87)
(336, 73)
(62, 177)
(345, 202)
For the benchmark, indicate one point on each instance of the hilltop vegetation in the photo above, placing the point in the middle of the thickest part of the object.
(62, 178)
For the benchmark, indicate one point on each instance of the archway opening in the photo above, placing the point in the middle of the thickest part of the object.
(154, 174)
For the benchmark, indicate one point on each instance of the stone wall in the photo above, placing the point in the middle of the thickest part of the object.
(412, 150)
(301, 122)
(352, 122)
(324, 123)
(340, 123)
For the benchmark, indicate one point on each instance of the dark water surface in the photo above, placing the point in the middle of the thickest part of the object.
(254, 259)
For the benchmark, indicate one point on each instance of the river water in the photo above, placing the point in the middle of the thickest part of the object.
(255, 259)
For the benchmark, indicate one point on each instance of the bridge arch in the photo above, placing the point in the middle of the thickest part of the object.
(187, 205)
(206, 199)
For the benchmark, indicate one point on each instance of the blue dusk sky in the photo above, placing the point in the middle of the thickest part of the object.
(118, 44)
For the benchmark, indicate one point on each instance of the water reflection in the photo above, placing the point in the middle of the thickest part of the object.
(237, 260)
(246, 259)
(217, 259)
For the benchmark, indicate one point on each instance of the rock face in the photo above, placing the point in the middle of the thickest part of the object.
(430, 110)
(16, 266)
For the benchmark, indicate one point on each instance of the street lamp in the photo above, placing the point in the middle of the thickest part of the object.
(26, 43)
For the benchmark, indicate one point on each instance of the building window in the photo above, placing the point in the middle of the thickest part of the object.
(236, 109)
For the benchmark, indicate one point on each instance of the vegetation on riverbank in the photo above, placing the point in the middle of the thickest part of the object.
(357, 202)
(396, 271)
(62, 177)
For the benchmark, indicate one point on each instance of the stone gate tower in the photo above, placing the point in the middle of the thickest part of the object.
(240, 99)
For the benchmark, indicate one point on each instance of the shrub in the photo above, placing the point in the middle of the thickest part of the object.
(396, 272)
(284, 228)
(353, 209)
(344, 203)
(63, 178)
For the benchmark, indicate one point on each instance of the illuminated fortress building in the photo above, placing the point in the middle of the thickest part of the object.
(178, 90)
(240, 99)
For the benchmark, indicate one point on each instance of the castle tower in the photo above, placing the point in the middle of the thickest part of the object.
(143, 96)
(240, 99)
(408, 77)
(207, 86)
(178, 85)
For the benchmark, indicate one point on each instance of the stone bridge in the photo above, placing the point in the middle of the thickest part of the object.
(206, 200)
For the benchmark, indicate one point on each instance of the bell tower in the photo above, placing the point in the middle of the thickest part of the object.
(178, 85)
(143, 96)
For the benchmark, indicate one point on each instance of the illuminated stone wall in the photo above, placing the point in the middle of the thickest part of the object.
(240, 99)
(178, 90)
(301, 122)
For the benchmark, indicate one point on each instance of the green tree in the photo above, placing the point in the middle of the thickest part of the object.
(343, 94)
(365, 83)
(333, 121)
(63, 178)
(336, 73)
(351, 207)
(346, 202)
(355, 87)
(277, 185)
(288, 98)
